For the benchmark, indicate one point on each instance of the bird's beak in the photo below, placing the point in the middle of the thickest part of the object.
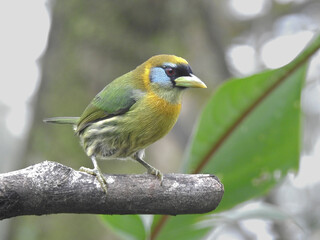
(189, 81)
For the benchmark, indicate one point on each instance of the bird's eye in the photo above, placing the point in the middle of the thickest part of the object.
(170, 71)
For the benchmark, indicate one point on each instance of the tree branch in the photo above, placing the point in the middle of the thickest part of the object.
(50, 187)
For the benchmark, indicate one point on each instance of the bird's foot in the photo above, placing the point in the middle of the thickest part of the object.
(150, 169)
(156, 173)
(99, 176)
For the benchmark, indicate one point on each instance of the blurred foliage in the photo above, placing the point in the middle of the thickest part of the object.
(181, 227)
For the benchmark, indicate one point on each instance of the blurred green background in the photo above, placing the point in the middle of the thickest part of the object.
(92, 42)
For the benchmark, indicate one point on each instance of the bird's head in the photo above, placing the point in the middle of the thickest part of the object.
(168, 75)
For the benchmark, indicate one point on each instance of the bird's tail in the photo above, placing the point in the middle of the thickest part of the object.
(62, 120)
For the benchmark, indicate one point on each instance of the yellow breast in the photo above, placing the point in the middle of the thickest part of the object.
(151, 119)
(162, 107)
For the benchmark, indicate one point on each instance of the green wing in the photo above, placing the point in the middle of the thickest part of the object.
(115, 99)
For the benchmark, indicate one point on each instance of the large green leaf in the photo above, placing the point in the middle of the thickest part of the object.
(129, 227)
(258, 140)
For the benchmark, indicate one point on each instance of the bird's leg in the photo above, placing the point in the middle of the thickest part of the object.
(97, 173)
(150, 169)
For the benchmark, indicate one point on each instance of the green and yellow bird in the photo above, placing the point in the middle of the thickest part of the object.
(132, 112)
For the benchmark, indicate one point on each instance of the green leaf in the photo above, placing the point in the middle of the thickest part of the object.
(129, 227)
(258, 139)
(181, 227)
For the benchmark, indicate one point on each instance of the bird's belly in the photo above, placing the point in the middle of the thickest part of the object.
(105, 139)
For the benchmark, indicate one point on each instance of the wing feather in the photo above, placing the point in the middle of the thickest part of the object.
(115, 99)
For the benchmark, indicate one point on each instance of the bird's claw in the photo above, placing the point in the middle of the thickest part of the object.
(97, 173)
(156, 173)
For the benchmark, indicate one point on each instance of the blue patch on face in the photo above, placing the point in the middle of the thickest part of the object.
(158, 75)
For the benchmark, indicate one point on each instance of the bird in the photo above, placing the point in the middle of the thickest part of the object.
(132, 112)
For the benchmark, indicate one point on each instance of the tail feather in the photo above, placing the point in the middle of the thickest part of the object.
(62, 120)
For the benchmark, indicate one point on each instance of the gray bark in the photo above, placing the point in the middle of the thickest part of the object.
(50, 187)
